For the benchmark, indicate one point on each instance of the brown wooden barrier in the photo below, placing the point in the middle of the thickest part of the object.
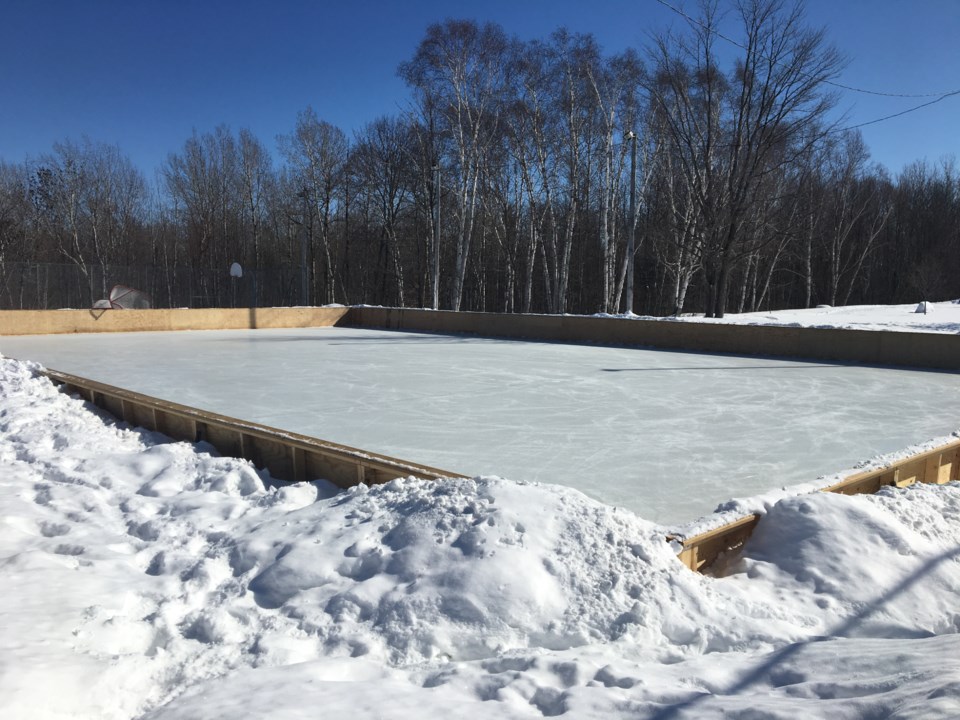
(940, 465)
(911, 349)
(287, 455)
(47, 322)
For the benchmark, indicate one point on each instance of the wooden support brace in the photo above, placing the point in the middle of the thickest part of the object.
(298, 458)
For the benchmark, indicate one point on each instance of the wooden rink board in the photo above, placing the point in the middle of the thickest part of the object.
(287, 455)
(297, 457)
(868, 347)
(938, 466)
(871, 347)
(50, 322)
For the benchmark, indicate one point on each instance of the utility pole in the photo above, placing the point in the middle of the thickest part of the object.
(436, 237)
(303, 250)
(632, 136)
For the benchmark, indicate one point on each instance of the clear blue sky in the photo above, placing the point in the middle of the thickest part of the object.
(143, 74)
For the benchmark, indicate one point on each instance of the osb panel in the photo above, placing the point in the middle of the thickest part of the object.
(934, 350)
(227, 441)
(46, 322)
(176, 426)
(273, 455)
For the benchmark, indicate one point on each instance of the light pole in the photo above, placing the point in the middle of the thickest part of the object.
(632, 136)
(436, 237)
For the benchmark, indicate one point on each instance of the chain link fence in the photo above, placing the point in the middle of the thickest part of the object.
(51, 286)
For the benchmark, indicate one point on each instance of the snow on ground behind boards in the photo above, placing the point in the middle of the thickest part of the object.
(149, 578)
(940, 317)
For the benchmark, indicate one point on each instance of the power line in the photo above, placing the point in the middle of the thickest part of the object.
(938, 95)
(902, 112)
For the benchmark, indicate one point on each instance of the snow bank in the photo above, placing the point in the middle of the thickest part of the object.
(153, 579)
(933, 317)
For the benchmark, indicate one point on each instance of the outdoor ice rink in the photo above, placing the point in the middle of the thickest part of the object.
(669, 435)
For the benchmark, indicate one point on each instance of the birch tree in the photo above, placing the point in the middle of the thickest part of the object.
(458, 68)
(317, 151)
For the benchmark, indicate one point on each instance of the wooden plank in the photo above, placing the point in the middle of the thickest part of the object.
(112, 404)
(376, 474)
(273, 455)
(911, 472)
(298, 461)
(176, 426)
(340, 472)
(701, 551)
(289, 456)
(937, 465)
(905, 471)
(140, 415)
(42, 322)
(945, 469)
(911, 349)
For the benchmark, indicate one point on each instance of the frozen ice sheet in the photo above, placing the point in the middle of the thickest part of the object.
(667, 434)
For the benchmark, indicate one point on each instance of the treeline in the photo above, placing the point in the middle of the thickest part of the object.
(745, 197)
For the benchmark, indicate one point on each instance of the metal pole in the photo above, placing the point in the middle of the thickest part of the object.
(436, 238)
(633, 220)
(303, 252)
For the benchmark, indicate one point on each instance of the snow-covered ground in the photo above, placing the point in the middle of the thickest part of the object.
(939, 317)
(148, 579)
(669, 435)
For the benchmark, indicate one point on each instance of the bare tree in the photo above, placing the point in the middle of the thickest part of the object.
(317, 152)
(680, 230)
(615, 84)
(90, 199)
(731, 129)
(381, 169)
(856, 211)
(256, 177)
(458, 69)
(204, 183)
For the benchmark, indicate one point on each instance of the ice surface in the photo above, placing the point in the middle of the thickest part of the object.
(667, 434)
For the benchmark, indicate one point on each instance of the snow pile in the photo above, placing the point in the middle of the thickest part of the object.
(934, 317)
(152, 579)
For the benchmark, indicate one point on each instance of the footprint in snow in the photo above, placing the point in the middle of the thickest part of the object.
(51, 529)
(68, 549)
(42, 494)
